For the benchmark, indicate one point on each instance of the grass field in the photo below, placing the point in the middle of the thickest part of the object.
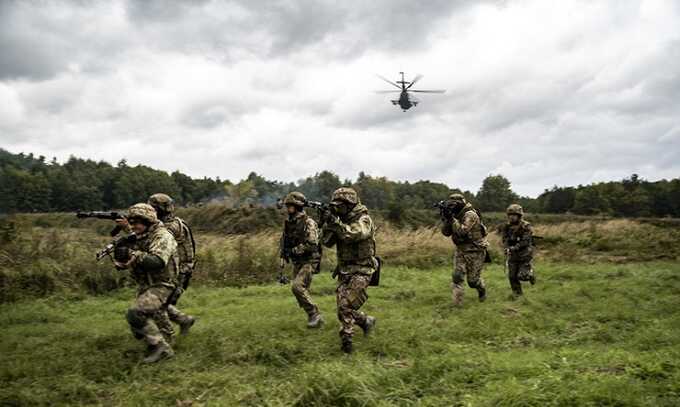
(585, 335)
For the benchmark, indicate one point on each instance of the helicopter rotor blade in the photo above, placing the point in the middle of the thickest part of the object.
(388, 81)
(387, 91)
(428, 91)
(414, 80)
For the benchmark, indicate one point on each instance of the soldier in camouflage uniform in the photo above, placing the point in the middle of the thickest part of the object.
(153, 263)
(300, 246)
(517, 239)
(348, 226)
(186, 248)
(468, 234)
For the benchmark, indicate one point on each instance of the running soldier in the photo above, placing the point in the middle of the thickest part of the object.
(517, 240)
(464, 225)
(186, 249)
(153, 263)
(300, 246)
(349, 227)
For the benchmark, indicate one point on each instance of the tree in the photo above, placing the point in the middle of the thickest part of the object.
(495, 194)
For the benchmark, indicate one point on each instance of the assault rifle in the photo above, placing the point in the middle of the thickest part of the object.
(120, 241)
(103, 215)
(446, 209)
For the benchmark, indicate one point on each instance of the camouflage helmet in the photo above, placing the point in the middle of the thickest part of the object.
(162, 203)
(514, 209)
(347, 195)
(295, 198)
(143, 211)
(457, 197)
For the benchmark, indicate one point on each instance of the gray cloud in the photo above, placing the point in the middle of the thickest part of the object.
(284, 88)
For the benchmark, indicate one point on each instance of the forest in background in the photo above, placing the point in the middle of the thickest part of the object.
(33, 184)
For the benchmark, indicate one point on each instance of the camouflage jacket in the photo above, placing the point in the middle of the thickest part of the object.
(186, 246)
(156, 241)
(466, 230)
(354, 236)
(300, 239)
(518, 239)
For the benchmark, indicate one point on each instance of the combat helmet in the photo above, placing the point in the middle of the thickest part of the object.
(515, 209)
(143, 211)
(162, 203)
(345, 194)
(457, 197)
(295, 198)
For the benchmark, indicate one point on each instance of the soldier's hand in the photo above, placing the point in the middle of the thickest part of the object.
(282, 262)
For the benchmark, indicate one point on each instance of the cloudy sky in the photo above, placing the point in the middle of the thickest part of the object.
(543, 92)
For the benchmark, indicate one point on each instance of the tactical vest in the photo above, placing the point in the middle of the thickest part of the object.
(186, 245)
(166, 277)
(357, 252)
(513, 234)
(475, 235)
(295, 234)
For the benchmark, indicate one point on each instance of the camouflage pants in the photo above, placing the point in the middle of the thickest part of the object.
(468, 264)
(148, 317)
(351, 294)
(519, 271)
(174, 313)
(302, 280)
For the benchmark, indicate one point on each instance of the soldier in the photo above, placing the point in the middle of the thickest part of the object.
(517, 240)
(186, 249)
(153, 263)
(300, 246)
(348, 226)
(463, 223)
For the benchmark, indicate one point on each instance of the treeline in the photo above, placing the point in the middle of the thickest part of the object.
(632, 197)
(31, 184)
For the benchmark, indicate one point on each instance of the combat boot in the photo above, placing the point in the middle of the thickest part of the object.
(315, 321)
(481, 291)
(186, 325)
(532, 279)
(346, 345)
(160, 352)
(369, 325)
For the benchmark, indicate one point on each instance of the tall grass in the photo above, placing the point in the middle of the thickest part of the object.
(39, 260)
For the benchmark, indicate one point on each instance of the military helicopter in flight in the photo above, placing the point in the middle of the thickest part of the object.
(406, 101)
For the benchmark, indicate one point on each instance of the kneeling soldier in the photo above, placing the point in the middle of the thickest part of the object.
(351, 228)
(153, 263)
(300, 246)
(517, 238)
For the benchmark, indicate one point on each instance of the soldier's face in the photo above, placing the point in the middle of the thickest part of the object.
(291, 209)
(138, 226)
(513, 218)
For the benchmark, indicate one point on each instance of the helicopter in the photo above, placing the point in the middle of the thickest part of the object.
(405, 101)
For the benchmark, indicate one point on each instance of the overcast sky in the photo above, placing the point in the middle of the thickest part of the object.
(543, 92)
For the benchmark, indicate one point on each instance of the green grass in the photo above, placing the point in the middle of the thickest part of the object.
(600, 334)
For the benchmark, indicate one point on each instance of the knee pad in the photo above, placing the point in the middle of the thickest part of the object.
(458, 278)
(135, 318)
